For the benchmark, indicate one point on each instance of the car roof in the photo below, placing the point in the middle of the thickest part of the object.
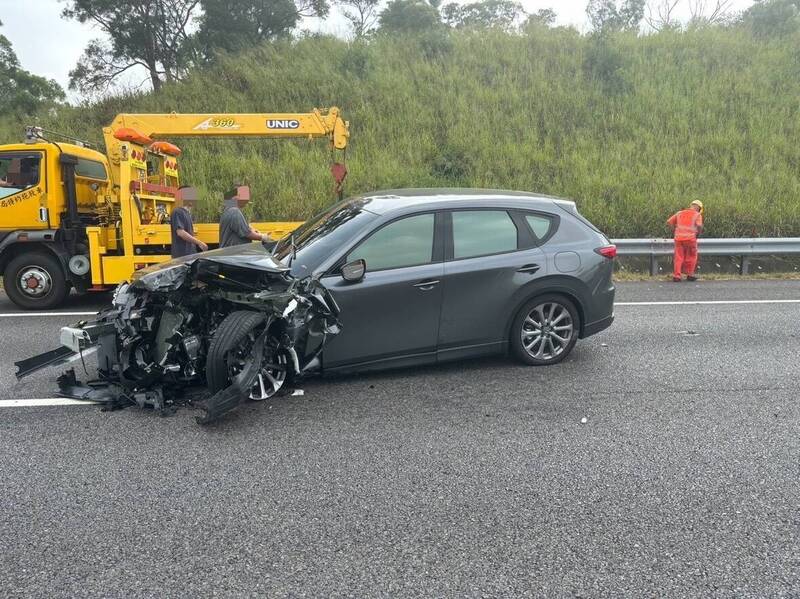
(400, 200)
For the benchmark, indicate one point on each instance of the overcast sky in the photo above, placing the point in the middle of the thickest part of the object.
(50, 46)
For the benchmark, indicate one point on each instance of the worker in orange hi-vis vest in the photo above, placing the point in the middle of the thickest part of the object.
(687, 224)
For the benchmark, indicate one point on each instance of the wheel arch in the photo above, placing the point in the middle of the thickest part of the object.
(555, 285)
(9, 251)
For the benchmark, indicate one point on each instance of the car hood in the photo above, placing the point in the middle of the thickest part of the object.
(170, 275)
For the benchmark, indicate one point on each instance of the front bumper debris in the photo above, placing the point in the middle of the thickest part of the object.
(240, 325)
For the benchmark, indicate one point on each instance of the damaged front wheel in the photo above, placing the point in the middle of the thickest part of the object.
(231, 352)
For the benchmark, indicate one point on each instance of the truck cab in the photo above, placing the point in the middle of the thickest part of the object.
(42, 250)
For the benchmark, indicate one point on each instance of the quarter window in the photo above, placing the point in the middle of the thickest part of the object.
(482, 232)
(540, 225)
(18, 172)
(406, 242)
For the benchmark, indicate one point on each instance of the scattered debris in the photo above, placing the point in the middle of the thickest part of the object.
(235, 319)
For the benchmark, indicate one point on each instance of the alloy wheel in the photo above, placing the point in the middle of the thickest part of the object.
(547, 331)
(271, 375)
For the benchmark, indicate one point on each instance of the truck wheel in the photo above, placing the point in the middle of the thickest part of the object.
(35, 281)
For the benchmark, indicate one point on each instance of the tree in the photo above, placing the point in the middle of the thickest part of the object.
(606, 16)
(773, 18)
(362, 15)
(233, 25)
(21, 91)
(152, 34)
(502, 14)
(409, 16)
(660, 15)
(705, 14)
(545, 17)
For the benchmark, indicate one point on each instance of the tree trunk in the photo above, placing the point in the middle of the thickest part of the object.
(154, 78)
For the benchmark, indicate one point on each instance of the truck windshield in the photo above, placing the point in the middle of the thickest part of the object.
(308, 246)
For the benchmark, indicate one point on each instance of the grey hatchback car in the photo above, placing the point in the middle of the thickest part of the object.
(432, 275)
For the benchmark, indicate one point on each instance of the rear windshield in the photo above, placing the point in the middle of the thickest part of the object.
(321, 236)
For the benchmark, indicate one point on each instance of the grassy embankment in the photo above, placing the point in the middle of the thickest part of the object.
(632, 128)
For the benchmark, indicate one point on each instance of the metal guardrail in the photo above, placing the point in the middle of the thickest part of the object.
(745, 248)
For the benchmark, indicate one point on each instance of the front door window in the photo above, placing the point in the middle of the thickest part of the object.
(405, 242)
(18, 172)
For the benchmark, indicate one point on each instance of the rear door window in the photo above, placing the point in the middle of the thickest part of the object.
(402, 243)
(482, 233)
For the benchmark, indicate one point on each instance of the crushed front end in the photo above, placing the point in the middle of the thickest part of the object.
(233, 320)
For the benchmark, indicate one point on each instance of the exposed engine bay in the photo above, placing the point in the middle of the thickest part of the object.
(233, 319)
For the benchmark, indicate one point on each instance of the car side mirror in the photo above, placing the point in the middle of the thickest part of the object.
(354, 271)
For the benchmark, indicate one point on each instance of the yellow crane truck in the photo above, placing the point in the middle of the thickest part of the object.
(73, 217)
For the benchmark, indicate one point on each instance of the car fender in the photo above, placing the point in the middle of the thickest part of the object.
(574, 290)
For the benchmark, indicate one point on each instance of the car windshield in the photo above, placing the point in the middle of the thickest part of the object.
(308, 246)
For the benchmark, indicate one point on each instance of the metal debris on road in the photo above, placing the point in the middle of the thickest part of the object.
(234, 319)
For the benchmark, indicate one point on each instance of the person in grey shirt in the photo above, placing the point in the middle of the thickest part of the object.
(233, 226)
(184, 242)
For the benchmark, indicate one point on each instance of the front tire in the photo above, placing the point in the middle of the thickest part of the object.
(231, 347)
(545, 330)
(35, 281)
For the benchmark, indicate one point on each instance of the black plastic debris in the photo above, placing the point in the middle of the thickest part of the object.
(233, 320)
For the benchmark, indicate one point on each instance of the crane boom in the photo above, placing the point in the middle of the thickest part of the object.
(316, 124)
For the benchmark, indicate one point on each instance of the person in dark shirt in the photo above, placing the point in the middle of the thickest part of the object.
(233, 226)
(183, 240)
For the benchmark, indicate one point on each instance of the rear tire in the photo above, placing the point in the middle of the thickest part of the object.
(545, 330)
(35, 281)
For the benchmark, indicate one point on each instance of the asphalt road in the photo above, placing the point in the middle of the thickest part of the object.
(473, 479)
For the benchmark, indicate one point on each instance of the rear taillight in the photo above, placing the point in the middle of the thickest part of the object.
(609, 251)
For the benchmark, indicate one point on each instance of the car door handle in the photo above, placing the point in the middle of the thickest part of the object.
(528, 268)
(426, 285)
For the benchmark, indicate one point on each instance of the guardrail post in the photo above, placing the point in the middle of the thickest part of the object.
(744, 269)
(653, 265)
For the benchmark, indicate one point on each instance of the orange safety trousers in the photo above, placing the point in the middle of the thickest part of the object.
(685, 257)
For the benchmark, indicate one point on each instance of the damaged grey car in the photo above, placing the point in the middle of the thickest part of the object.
(390, 279)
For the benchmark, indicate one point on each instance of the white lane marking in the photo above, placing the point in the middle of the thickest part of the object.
(50, 401)
(24, 314)
(709, 302)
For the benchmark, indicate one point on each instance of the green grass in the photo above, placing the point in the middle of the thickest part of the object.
(632, 128)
